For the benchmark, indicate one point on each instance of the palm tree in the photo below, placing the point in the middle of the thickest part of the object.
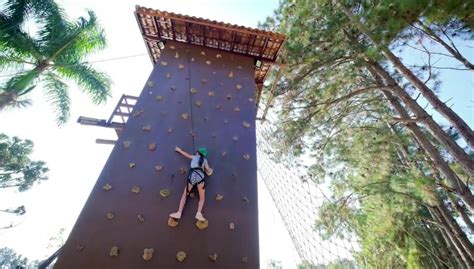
(55, 52)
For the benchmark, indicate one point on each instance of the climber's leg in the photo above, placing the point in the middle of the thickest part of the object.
(202, 199)
(182, 202)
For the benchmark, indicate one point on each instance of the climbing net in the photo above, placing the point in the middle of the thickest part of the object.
(298, 201)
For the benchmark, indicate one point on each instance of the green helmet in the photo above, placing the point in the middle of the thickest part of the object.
(203, 151)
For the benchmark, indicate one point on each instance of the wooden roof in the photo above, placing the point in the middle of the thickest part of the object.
(156, 25)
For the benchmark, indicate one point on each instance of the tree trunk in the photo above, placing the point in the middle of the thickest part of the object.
(423, 141)
(456, 121)
(449, 243)
(456, 230)
(461, 210)
(442, 248)
(452, 50)
(452, 238)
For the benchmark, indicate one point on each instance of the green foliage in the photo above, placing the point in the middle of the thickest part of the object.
(10, 259)
(57, 51)
(17, 170)
(332, 110)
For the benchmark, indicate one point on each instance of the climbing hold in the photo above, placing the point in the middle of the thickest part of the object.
(204, 81)
(138, 113)
(203, 53)
(183, 170)
(131, 165)
(173, 88)
(226, 121)
(135, 189)
(141, 218)
(110, 215)
(176, 55)
(126, 144)
(219, 197)
(211, 93)
(159, 98)
(165, 193)
(191, 195)
(251, 100)
(231, 74)
(238, 86)
(114, 251)
(235, 138)
(185, 116)
(208, 62)
(150, 83)
(181, 256)
(146, 128)
(246, 124)
(218, 106)
(172, 222)
(245, 259)
(172, 47)
(107, 187)
(158, 168)
(202, 224)
(245, 199)
(192, 59)
(168, 75)
(193, 90)
(228, 96)
(198, 103)
(239, 67)
(237, 109)
(164, 63)
(231, 226)
(151, 146)
(222, 83)
(224, 154)
(247, 156)
(218, 56)
(193, 134)
(148, 253)
(79, 248)
(213, 257)
(180, 66)
(214, 72)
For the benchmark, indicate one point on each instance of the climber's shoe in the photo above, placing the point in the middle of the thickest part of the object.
(175, 215)
(200, 217)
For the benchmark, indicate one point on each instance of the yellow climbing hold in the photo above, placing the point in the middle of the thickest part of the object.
(126, 144)
(246, 124)
(159, 98)
(152, 146)
(203, 53)
(213, 257)
(146, 128)
(193, 90)
(138, 113)
(237, 109)
(110, 215)
(158, 168)
(219, 197)
(148, 253)
(114, 251)
(172, 47)
(238, 86)
(202, 224)
(231, 74)
(181, 256)
(165, 193)
(135, 189)
(211, 93)
(181, 66)
(218, 56)
(141, 218)
(176, 55)
(131, 165)
(231, 226)
(107, 187)
(198, 103)
(204, 81)
(172, 222)
(164, 63)
(168, 75)
(185, 116)
(235, 138)
(208, 62)
(150, 84)
(247, 156)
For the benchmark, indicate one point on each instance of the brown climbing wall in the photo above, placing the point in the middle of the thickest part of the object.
(194, 97)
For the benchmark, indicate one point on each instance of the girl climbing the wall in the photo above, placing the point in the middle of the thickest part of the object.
(196, 177)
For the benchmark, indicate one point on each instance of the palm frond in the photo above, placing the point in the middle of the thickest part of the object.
(9, 63)
(16, 11)
(83, 37)
(93, 82)
(57, 93)
(13, 104)
(53, 20)
(22, 82)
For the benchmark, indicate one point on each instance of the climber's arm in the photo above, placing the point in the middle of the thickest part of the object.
(208, 169)
(184, 153)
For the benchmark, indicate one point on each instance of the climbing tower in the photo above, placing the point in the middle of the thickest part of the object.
(203, 91)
